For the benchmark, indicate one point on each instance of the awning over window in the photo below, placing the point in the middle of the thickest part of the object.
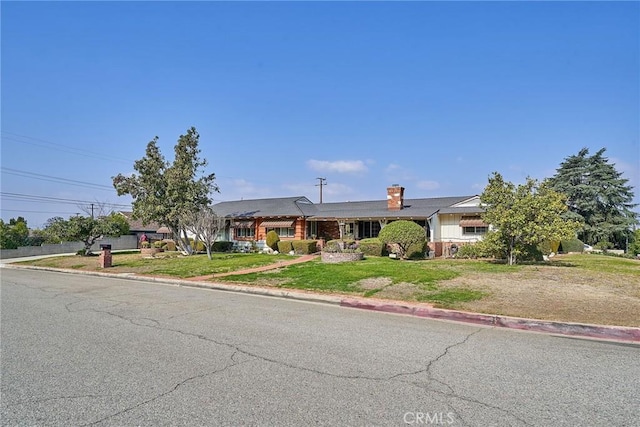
(287, 223)
(472, 222)
(243, 224)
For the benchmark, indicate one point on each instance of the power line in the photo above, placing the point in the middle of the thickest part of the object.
(61, 147)
(47, 212)
(56, 179)
(48, 199)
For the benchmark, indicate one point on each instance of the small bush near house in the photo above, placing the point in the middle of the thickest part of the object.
(603, 245)
(284, 246)
(222, 246)
(305, 247)
(571, 245)
(348, 243)
(272, 240)
(418, 251)
(170, 245)
(408, 237)
(198, 247)
(470, 251)
(158, 244)
(545, 247)
(372, 247)
(531, 253)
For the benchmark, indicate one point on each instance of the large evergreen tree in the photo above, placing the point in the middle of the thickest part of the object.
(166, 192)
(598, 196)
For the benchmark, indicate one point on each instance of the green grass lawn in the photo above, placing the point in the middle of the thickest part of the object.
(600, 263)
(166, 264)
(373, 277)
(418, 279)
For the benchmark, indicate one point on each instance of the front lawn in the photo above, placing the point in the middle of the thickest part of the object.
(166, 263)
(378, 276)
(584, 288)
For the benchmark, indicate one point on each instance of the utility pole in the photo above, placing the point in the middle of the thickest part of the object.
(322, 181)
(91, 210)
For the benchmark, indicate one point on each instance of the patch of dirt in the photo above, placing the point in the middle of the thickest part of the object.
(552, 293)
(399, 291)
(373, 283)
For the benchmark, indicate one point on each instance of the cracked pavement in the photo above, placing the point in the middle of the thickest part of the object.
(91, 351)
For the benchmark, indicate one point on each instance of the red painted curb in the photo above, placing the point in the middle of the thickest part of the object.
(573, 329)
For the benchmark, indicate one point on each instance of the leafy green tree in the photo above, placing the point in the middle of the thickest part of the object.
(53, 230)
(523, 217)
(167, 192)
(14, 234)
(85, 229)
(598, 196)
(404, 234)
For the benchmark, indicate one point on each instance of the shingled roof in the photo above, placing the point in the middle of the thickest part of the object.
(266, 208)
(378, 209)
(300, 206)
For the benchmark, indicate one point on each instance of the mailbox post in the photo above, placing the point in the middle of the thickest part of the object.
(105, 256)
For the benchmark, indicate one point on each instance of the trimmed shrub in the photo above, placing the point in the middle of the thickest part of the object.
(170, 246)
(272, 240)
(545, 247)
(470, 251)
(348, 243)
(305, 247)
(284, 246)
(158, 244)
(199, 247)
(571, 245)
(372, 247)
(407, 236)
(531, 253)
(417, 250)
(222, 246)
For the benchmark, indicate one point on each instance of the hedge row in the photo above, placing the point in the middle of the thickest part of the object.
(372, 247)
(222, 246)
(285, 246)
(305, 247)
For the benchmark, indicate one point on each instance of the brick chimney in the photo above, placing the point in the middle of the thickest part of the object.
(395, 197)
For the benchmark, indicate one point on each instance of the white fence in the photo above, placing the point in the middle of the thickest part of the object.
(122, 242)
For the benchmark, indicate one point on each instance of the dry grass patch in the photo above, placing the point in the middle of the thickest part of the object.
(556, 293)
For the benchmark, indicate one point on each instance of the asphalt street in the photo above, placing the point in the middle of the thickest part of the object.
(83, 350)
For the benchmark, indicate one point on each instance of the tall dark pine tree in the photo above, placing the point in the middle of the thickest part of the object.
(598, 196)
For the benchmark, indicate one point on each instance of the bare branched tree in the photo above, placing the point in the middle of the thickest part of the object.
(206, 225)
(95, 209)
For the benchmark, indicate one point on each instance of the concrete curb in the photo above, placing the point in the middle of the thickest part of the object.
(602, 332)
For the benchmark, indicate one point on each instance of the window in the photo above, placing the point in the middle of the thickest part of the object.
(474, 230)
(246, 232)
(283, 231)
(312, 229)
(368, 229)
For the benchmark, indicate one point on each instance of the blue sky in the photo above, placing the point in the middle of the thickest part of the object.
(433, 96)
